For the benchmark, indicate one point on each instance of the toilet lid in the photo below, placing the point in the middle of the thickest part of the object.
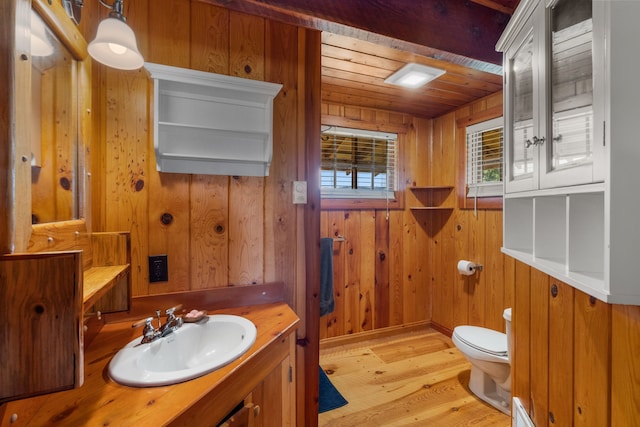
(483, 339)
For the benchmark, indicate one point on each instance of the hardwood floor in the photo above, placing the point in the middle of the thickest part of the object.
(415, 378)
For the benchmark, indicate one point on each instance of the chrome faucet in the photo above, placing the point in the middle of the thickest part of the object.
(171, 324)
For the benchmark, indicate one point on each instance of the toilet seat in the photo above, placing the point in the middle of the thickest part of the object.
(485, 344)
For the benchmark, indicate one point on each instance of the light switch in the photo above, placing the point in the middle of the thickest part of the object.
(299, 192)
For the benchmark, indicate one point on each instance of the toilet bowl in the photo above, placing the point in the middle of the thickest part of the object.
(488, 351)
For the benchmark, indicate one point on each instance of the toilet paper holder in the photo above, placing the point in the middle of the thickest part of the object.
(468, 268)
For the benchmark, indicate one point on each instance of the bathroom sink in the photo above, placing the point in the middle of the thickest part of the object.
(195, 349)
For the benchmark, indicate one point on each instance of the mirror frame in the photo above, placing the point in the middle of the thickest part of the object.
(15, 164)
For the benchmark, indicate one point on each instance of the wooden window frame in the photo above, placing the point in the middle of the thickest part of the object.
(464, 201)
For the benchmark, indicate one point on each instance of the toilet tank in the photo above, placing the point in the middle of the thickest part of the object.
(506, 314)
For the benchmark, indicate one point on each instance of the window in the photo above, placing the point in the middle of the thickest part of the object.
(357, 163)
(484, 158)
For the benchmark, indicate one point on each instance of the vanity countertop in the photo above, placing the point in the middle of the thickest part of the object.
(102, 402)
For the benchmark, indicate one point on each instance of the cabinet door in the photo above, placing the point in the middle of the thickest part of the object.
(521, 105)
(570, 147)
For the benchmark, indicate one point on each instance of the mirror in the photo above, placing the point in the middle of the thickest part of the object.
(54, 126)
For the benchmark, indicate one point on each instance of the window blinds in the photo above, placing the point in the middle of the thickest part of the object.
(353, 159)
(484, 158)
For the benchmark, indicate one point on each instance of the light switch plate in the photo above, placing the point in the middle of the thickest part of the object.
(299, 192)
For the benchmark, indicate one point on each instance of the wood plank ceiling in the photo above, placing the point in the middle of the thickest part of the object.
(365, 41)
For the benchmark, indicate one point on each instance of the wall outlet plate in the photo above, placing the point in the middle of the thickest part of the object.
(299, 192)
(158, 268)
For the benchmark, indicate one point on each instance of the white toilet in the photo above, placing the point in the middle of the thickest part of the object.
(489, 354)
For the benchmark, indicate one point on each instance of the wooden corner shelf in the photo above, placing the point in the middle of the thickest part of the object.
(432, 198)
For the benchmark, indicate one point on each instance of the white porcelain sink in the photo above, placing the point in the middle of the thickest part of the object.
(192, 351)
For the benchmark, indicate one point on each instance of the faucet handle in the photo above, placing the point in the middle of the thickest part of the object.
(170, 311)
(142, 322)
(149, 333)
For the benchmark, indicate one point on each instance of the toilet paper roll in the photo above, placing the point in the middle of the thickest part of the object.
(466, 268)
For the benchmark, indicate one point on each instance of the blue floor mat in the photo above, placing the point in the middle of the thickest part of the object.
(330, 397)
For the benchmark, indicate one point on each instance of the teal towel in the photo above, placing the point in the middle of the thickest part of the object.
(327, 303)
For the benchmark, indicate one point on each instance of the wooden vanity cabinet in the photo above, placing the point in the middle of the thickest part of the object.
(41, 317)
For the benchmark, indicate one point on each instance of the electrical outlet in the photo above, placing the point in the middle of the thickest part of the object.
(158, 268)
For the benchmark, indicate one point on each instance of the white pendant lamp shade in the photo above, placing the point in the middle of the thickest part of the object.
(40, 45)
(115, 45)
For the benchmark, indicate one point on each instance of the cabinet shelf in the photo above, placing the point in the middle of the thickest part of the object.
(206, 123)
(99, 280)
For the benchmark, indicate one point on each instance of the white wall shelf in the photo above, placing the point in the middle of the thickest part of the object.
(206, 123)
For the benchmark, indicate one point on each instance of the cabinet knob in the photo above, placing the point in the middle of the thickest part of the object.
(538, 141)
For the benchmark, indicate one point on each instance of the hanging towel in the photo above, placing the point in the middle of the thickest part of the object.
(326, 276)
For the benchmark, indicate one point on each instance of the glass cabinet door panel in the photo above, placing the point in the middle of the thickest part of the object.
(522, 151)
(571, 85)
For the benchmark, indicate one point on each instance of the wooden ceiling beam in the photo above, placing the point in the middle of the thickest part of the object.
(459, 32)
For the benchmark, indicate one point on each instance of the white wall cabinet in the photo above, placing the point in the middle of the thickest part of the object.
(553, 132)
(572, 154)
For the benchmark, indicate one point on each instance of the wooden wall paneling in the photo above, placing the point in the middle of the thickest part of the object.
(493, 273)
(280, 213)
(352, 255)
(209, 38)
(209, 194)
(477, 282)
(247, 43)
(396, 273)
(209, 231)
(444, 169)
(169, 192)
(367, 298)
(126, 167)
(539, 350)
(463, 286)
(335, 320)
(418, 142)
(246, 194)
(592, 359)
(561, 353)
(246, 230)
(413, 298)
(625, 365)
(442, 250)
(415, 294)
(521, 335)
(382, 309)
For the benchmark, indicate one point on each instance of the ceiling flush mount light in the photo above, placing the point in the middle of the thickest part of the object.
(115, 43)
(414, 75)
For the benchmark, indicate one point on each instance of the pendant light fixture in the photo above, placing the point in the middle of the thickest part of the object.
(115, 43)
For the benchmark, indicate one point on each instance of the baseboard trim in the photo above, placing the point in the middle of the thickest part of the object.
(442, 329)
(332, 342)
